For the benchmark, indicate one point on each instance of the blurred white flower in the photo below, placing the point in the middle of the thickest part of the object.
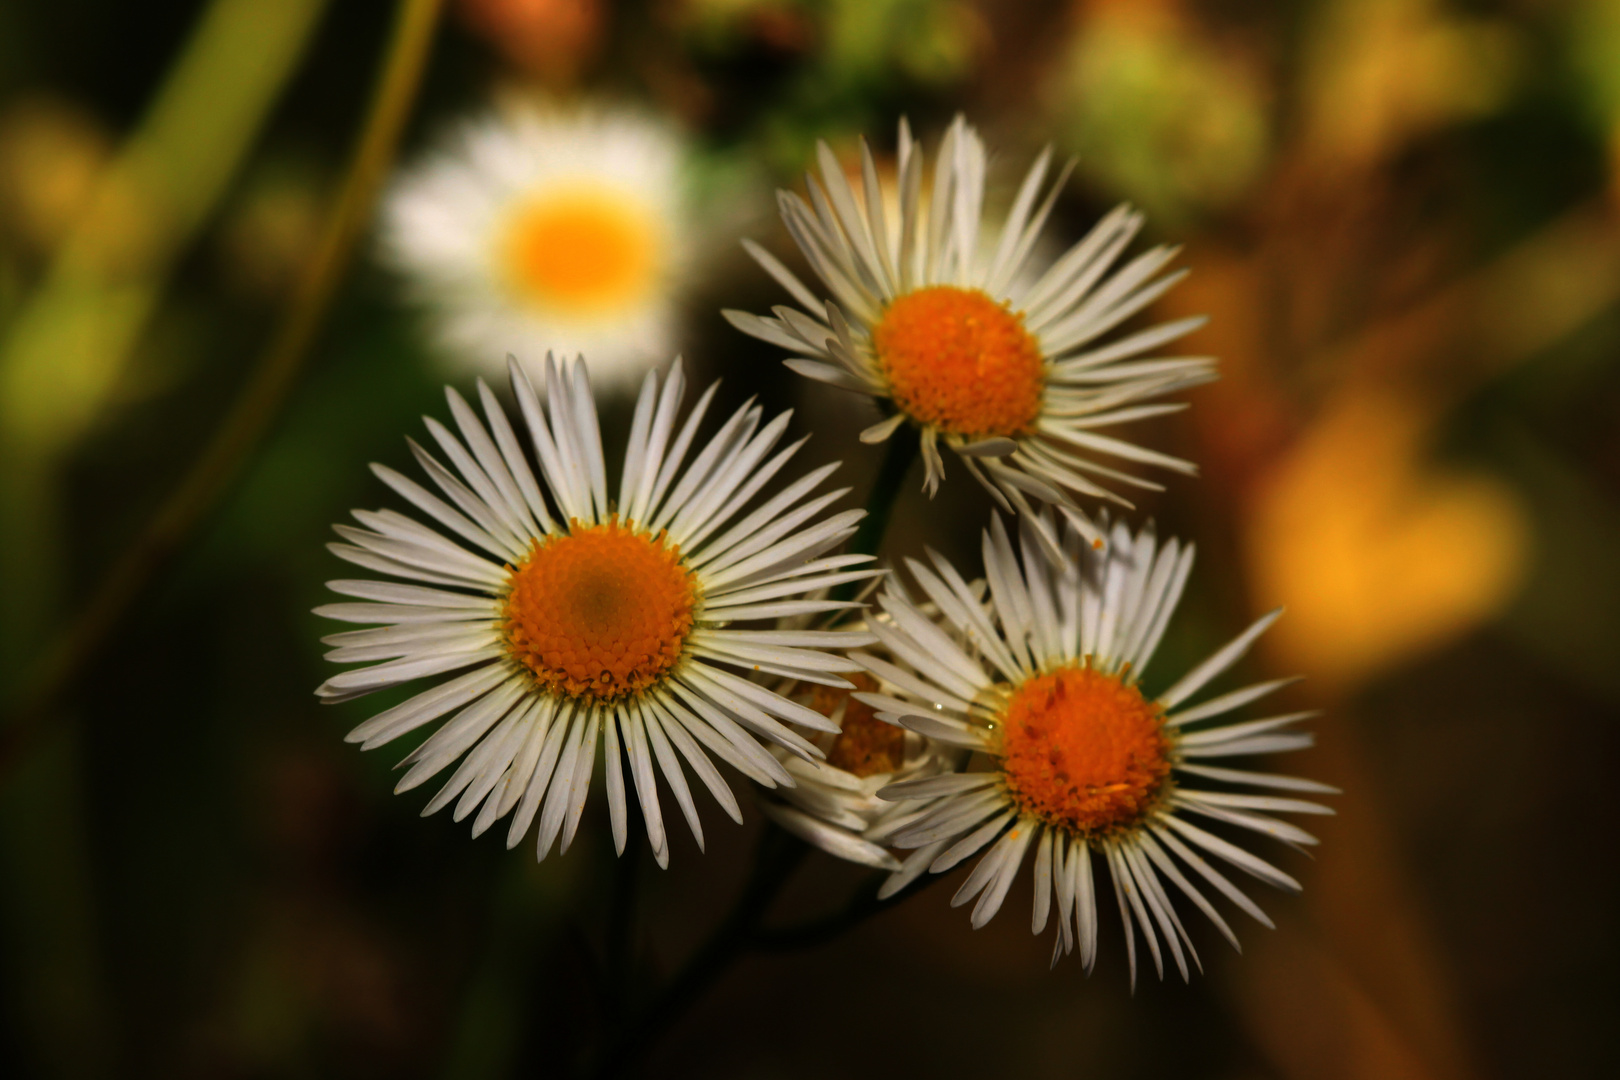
(534, 230)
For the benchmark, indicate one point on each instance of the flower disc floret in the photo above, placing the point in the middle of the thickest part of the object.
(601, 612)
(1084, 751)
(865, 745)
(959, 361)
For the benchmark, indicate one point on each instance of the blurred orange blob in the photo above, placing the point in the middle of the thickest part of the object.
(1383, 71)
(51, 155)
(582, 250)
(1377, 556)
(550, 39)
(865, 746)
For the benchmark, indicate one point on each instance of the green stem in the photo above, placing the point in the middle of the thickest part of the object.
(898, 454)
(259, 402)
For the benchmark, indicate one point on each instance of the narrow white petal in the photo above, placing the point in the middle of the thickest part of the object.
(1225, 657)
(834, 841)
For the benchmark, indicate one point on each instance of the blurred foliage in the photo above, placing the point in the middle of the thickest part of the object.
(1159, 113)
(1404, 217)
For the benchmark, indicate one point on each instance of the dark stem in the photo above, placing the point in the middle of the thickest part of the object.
(779, 854)
(862, 906)
(898, 454)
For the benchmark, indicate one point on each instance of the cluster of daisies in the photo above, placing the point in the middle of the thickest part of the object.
(698, 615)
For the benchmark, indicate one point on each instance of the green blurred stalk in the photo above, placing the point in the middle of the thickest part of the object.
(63, 353)
(70, 339)
(61, 356)
(58, 366)
(260, 400)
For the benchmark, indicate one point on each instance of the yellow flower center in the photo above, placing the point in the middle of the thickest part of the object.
(1083, 751)
(865, 745)
(602, 612)
(581, 250)
(961, 362)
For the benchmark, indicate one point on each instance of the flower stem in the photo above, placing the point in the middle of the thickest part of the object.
(259, 402)
(862, 906)
(778, 855)
(898, 454)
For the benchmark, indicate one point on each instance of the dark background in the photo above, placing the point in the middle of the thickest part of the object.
(1402, 216)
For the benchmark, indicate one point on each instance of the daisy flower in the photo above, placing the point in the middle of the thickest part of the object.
(569, 619)
(964, 340)
(834, 804)
(535, 230)
(1080, 764)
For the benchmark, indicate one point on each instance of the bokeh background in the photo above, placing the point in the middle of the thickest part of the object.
(1404, 219)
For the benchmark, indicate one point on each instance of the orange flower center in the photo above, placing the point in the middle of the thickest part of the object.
(602, 612)
(1083, 751)
(961, 362)
(581, 250)
(865, 745)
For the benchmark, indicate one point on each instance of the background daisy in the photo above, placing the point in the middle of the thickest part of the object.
(572, 620)
(962, 340)
(1082, 766)
(531, 229)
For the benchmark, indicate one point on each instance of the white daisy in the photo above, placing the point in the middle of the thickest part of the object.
(536, 230)
(964, 340)
(834, 804)
(570, 618)
(1080, 763)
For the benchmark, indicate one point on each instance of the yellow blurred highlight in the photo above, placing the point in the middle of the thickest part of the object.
(582, 249)
(1382, 71)
(272, 230)
(1378, 556)
(70, 341)
(50, 156)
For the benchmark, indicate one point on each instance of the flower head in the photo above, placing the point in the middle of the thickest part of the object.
(573, 619)
(1081, 763)
(535, 230)
(834, 803)
(965, 341)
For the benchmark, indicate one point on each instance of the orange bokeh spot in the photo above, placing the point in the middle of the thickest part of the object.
(865, 746)
(961, 362)
(602, 612)
(1083, 751)
(581, 250)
